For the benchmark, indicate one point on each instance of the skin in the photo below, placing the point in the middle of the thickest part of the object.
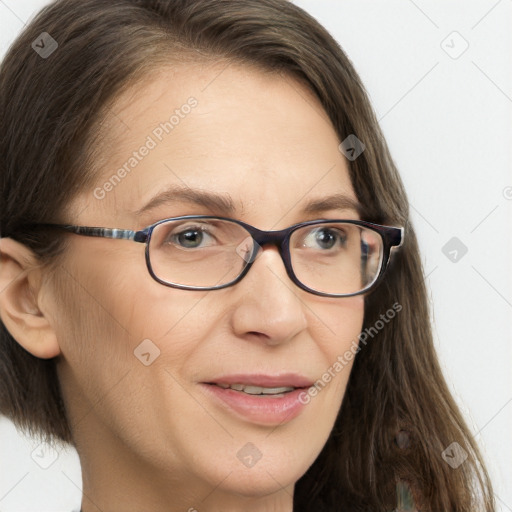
(147, 437)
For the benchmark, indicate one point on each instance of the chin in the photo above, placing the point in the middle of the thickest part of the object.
(252, 485)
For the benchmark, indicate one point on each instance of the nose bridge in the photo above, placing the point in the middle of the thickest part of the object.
(272, 307)
(277, 238)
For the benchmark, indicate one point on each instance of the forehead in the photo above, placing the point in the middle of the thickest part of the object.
(262, 139)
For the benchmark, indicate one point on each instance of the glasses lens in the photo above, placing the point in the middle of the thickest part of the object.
(199, 252)
(337, 258)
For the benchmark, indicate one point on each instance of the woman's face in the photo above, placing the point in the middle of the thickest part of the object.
(136, 355)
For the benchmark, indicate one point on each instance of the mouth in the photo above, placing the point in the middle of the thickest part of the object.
(260, 399)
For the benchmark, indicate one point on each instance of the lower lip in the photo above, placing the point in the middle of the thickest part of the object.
(263, 410)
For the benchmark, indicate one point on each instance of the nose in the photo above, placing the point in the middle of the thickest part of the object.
(268, 303)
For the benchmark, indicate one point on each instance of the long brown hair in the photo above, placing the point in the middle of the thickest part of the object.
(397, 416)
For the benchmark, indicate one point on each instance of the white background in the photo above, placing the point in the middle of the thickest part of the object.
(448, 124)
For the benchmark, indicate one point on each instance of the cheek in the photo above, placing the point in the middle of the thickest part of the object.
(336, 331)
(117, 326)
(95, 345)
(114, 339)
(337, 324)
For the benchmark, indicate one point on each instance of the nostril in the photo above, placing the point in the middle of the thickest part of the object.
(258, 334)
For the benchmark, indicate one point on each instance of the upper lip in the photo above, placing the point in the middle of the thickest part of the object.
(264, 381)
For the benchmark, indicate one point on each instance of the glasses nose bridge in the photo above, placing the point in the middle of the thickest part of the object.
(278, 238)
(262, 238)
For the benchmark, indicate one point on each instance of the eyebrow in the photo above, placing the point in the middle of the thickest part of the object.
(334, 202)
(209, 200)
(224, 204)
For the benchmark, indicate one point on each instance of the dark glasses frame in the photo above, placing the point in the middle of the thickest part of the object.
(392, 237)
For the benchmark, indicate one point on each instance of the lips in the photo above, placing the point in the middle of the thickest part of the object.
(259, 399)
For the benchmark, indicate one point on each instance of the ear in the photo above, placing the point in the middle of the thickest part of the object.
(21, 305)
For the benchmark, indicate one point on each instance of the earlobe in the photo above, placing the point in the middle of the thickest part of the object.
(20, 300)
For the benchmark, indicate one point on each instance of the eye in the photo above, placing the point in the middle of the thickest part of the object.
(192, 237)
(324, 238)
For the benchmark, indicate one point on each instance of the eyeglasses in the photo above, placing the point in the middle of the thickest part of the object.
(334, 258)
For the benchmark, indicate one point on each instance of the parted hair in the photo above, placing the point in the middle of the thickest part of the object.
(397, 415)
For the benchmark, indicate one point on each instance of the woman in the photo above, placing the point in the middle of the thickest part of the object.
(234, 145)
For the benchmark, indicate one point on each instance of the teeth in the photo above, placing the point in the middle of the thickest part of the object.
(256, 390)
